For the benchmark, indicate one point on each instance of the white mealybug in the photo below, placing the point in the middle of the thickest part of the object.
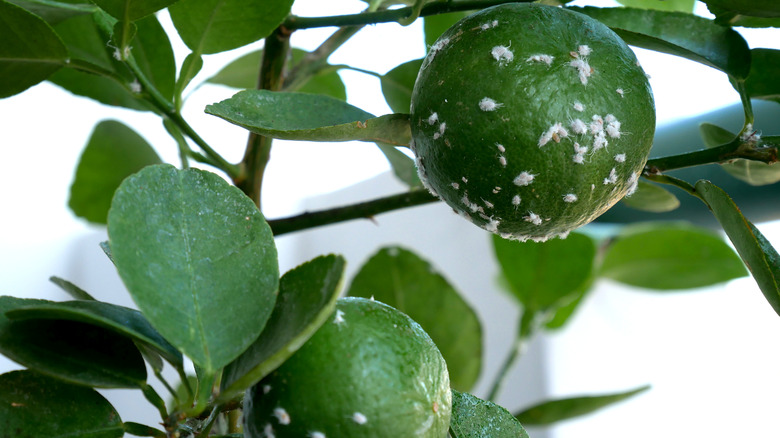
(433, 118)
(496, 190)
(524, 179)
(442, 127)
(438, 46)
(612, 179)
(502, 160)
(455, 185)
(282, 416)
(500, 147)
(488, 104)
(544, 59)
(579, 127)
(555, 133)
(600, 141)
(620, 158)
(488, 204)
(135, 87)
(502, 54)
(359, 418)
(613, 126)
(579, 153)
(578, 107)
(620, 92)
(633, 184)
(464, 179)
(339, 319)
(597, 124)
(533, 218)
(266, 389)
(584, 69)
(492, 225)
(570, 197)
(584, 50)
(268, 430)
(516, 200)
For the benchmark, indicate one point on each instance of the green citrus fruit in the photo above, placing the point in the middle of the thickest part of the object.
(531, 120)
(369, 372)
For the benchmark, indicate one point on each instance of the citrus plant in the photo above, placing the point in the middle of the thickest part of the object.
(530, 119)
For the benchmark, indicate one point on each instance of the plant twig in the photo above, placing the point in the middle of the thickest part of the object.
(315, 61)
(738, 148)
(524, 332)
(391, 15)
(364, 210)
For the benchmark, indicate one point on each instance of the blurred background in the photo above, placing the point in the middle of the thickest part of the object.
(711, 354)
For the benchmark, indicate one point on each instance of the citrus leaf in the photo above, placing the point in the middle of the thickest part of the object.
(54, 12)
(680, 34)
(121, 320)
(759, 255)
(131, 10)
(242, 73)
(564, 313)
(403, 280)
(189, 69)
(652, 256)
(730, 11)
(31, 51)
(762, 81)
(554, 411)
(33, 405)
(153, 54)
(74, 291)
(307, 298)
(547, 275)
(197, 257)
(651, 197)
(301, 116)
(113, 153)
(476, 418)
(755, 173)
(72, 351)
(402, 165)
(99, 88)
(213, 26)
(661, 5)
(397, 85)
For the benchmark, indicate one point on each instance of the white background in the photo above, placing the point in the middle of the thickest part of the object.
(711, 356)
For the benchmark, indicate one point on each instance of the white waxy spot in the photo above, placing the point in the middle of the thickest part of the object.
(612, 179)
(442, 127)
(436, 135)
(600, 141)
(596, 124)
(749, 135)
(516, 200)
(455, 186)
(524, 179)
(496, 190)
(359, 418)
(620, 92)
(579, 107)
(436, 47)
(584, 50)
(487, 26)
(433, 118)
(268, 430)
(554, 132)
(488, 204)
(464, 179)
(579, 127)
(135, 87)
(633, 184)
(282, 416)
(502, 160)
(317, 434)
(533, 218)
(339, 319)
(613, 126)
(492, 225)
(584, 69)
(502, 54)
(570, 197)
(544, 59)
(488, 104)
(620, 158)
(500, 147)
(266, 389)
(592, 187)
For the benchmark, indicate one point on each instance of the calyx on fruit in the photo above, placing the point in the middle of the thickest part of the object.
(369, 372)
(531, 120)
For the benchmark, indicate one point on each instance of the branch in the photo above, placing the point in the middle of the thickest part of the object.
(392, 15)
(739, 148)
(364, 210)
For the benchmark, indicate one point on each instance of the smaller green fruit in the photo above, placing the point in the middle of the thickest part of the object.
(370, 372)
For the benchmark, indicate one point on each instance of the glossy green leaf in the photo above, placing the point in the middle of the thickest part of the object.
(98, 88)
(564, 313)
(758, 254)
(731, 12)
(544, 276)
(652, 256)
(762, 82)
(106, 248)
(307, 298)
(563, 409)
(113, 152)
(72, 351)
(212, 26)
(301, 116)
(402, 165)
(152, 52)
(131, 10)
(752, 172)
(661, 5)
(189, 69)
(36, 406)
(31, 51)
(72, 290)
(680, 34)
(242, 73)
(198, 259)
(651, 197)
(435, 25)
(476, 418)
(403, 280)
(397, 85)
(54, 12)
(121, 320)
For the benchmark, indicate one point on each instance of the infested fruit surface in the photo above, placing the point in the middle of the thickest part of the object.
(370, 371)
(531, 120)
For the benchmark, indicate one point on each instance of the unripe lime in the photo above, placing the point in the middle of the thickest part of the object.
(531, 120)
(369, 372)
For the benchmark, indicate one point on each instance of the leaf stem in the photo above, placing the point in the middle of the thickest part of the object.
(363, 210)
(151, 395)
(258, 148)
(391, 15)
(524, 332)
(670, 180)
